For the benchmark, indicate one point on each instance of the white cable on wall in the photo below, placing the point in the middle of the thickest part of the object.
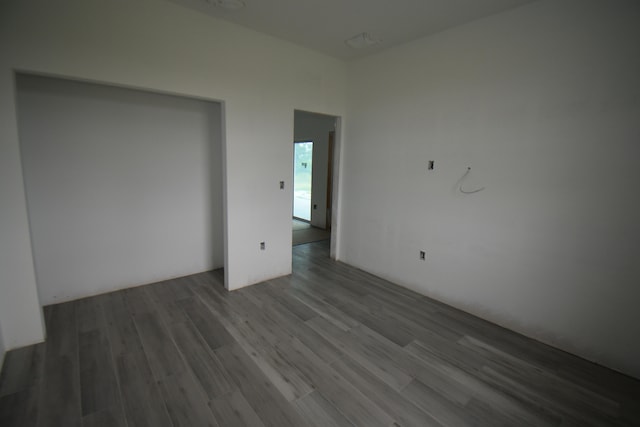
(462, 190)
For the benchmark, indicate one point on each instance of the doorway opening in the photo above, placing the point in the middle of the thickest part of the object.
(313, 176)
(302, 180)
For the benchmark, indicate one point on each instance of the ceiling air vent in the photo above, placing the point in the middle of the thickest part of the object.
(228, 4)
(362, 40)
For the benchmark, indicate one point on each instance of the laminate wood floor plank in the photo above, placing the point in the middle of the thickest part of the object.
(443, 349)
(207, 323)
(400, 409)
(204, 365)
(105, 418)
(143, 404)
(99, 387)
(138, 302)
(285, 376)
(164, 358)
(22, 369)
(570, 407)
(482, 414)
(510, 342)
(260, 346)
(546, 382)
(20, 409)
(261, 394)
(375, 285)
(177, 289)
(332, 290)
(377, 357)
(598, 378)
(323, 348)
(353, 404)
(89, 315)
(414, 319)
(186, 404)
(320, 411)
(468, 368)
(415, 367)
(482, 394)
(122, 332)
(540, 380)
(214, 278)
(327, 345)
(319, 272)
(167, 307)
(249, 327)
(291, 303)
(324, 309)
(59, 393)
(440, 408)
(379, 321)
(328, 285)
(215, 300)
(234, 411)
(60, 322)
(256, 323)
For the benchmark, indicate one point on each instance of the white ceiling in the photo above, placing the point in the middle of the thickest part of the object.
(324, 25)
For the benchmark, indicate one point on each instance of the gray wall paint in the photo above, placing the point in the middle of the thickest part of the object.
(123, 187)
(543, 102)
(316, 128)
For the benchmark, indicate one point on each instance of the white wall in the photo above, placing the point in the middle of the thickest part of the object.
(123, 187)
(2, 349)
(21, 321)
(316, 128)
(160, 46)
(543, 102)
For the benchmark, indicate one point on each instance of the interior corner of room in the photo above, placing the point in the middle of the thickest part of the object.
(135, 153)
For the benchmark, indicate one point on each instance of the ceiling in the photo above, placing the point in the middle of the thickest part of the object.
(324, 25)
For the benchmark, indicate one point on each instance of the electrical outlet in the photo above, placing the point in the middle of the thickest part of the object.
(423, 255)
(263, 246)
(282, 185)
(315, 206)
(432, 165)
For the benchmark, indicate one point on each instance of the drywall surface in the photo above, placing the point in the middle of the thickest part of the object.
(543, 103)
(123, 187)
(21, 320)
(316, 128)
(2, 349)
(161, 46)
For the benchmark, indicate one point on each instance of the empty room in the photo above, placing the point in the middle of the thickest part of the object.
(478, 199)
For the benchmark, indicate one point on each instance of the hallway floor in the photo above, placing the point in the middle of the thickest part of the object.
(303, 232)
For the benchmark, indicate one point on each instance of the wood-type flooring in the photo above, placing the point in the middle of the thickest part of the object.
(329, 345)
